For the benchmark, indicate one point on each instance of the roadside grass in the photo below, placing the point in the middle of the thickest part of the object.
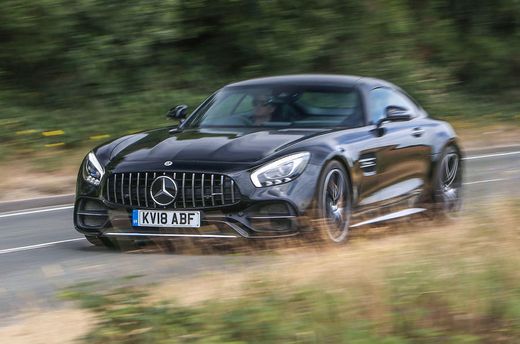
(49, 172)
(419, 283)
(22, 127)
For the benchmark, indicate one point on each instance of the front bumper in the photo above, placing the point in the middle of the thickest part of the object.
(267, 219)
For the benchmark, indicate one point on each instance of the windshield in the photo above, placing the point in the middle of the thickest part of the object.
(280, 106)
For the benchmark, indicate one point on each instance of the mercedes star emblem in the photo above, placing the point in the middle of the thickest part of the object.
(163, 190)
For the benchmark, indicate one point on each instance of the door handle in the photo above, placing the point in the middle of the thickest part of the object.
(418, 132)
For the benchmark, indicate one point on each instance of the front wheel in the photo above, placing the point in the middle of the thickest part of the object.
(98, 241)
(113, 244)
(447, 187)
(333, 204)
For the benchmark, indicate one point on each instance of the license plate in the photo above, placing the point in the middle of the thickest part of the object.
(165, 218)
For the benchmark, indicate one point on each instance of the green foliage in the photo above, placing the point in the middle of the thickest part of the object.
(86, 65)
(94, 48)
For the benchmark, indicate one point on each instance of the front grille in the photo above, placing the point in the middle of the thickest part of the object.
(194, 190)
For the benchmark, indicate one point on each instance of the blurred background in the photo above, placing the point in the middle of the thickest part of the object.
(72, 72)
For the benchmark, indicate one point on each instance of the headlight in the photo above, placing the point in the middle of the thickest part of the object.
(280, 171)
(92, 170)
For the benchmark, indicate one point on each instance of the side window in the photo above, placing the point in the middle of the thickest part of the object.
(381, 97)
(377, 102)
(399, 99)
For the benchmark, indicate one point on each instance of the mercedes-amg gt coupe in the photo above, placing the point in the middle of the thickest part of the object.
(311, 155)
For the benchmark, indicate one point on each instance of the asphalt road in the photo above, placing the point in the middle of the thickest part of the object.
(41, 253)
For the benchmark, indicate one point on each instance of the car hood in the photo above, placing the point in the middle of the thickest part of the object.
(237, 145)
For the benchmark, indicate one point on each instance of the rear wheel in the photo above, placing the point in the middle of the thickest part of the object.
(447, 192)
(333, 204)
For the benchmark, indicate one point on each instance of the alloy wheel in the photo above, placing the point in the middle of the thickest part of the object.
(450, 185)
(336, 205)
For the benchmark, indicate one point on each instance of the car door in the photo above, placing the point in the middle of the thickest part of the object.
(403, 149)
(365, 148)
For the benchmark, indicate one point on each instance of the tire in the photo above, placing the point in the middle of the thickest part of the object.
(114, 244)
(332, 205)
(99, 242)
(447, 185)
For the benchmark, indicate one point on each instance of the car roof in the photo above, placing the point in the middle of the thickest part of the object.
(313, 80)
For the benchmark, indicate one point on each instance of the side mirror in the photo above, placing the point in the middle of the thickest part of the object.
(394, 113)
(397, 113)
(178, 112)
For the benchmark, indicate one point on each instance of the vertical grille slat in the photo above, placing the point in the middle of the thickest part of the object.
(174, 176)
(194, 190)
(232, 191)
(130, 188)
(154, 176)
(211, 192)
(202, 195)
(183, 188)
(146, 189)
(115, 188)
(222, 189)
(137, 188)
(122, 185)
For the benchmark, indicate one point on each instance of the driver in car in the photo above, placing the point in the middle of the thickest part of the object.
(263, 109)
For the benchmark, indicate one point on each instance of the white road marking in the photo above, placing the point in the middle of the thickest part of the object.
(40, 198)
(490, 155)
(486, 181)
(36, 211)
(33, 247)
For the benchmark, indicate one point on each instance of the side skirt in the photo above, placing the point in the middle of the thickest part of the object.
(390, 216)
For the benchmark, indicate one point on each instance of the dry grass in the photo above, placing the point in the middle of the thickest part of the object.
(475, 136)
(371, 253)
(420, 280)
(50, 327)
(406, 262)
(46, 173)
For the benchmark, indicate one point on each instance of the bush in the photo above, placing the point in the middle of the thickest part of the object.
(80, 66)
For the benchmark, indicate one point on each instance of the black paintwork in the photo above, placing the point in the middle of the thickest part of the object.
(404, 159)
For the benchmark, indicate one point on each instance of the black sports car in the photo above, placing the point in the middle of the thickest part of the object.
(274, 157)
